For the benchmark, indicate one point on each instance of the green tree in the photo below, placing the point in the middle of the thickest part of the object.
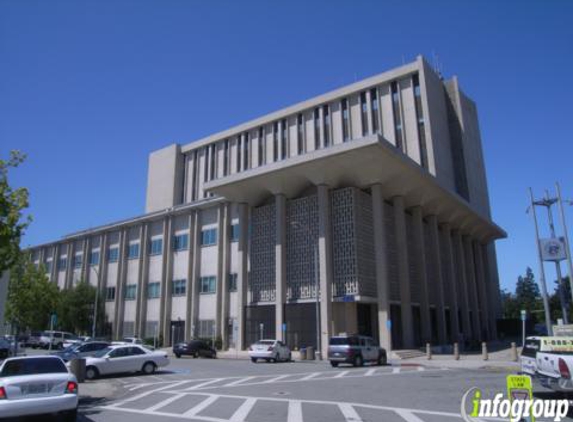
(526, 297)
(12, 203)
(31, 297)
(77, 308)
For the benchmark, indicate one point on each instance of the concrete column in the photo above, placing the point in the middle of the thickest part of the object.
(280, 267)
(142, 280)
(482, 290)
(120, 289)
(85, 274)
(55, 260)
(420, 256)
(439, 286)
(221, 273)
(224, 253)
(242, 281)
(190, 285)
(69, 265)
(196, 273)
(325, 265)
(490, 267)
(403, 274)
(382, 280)
(472, 288)
(166, 280)
(461, 279)
(451, 270)
(368, 113)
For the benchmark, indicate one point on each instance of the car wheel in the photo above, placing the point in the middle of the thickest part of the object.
(276, 358)
(289, 357)
(334, 364)
(254, 360)
(382, 360)
(148, 368)
(70, 415)
(195, 355)
(178, 356)
(91, 373)
(358, 361)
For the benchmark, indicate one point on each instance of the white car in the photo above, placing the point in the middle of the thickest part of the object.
(118, 359)
(37, 385)
(269, 350)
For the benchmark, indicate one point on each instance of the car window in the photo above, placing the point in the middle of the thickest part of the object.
(136, 351)
(265, 342)
(102, 352)
(99, 346)
(530, 348)
(344, 341)
(119, 352)
(33, 366)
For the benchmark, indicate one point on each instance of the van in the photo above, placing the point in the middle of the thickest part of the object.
(56, 338)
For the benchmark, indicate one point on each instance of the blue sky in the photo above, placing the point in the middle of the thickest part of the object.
(89, 88)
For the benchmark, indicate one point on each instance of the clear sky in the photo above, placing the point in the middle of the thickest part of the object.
(89, 88)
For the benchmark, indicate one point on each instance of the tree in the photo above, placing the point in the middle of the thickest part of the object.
(12, 203)
(526, 297)
(32, 298)
(77, 307)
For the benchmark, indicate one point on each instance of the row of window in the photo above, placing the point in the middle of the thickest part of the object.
(207, 285)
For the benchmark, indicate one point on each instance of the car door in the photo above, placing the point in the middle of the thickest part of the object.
(367, 349)
(283, 351)
(118, 361)
(138, 358)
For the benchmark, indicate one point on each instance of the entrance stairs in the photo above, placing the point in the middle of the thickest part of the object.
(408, 354)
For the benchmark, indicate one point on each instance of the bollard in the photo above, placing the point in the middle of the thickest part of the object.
(310, 353)
(428, 351)
(484, 351)
(513, 352)
(456, 351)
(78, 368)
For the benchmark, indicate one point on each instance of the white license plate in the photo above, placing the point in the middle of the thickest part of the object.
(34, 389)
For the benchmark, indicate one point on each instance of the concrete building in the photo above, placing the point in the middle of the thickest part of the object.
(373, 195)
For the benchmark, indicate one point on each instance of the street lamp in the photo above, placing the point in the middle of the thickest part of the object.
(298, 225)
(92, 267)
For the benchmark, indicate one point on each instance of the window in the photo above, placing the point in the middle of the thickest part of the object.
(345, 121)
(262, 158)
(364, 110)
(179, 287)
(156, 246)
(397, 116)
(232, 282)
(300, 134)
(206, 164)
(316, 129)
(133, 252)
(113, 254)
(326, 119)
(374, 110)
(239, 143)
(208, 284)
(284, 129)
(195, 176)
(130, 291)
(213, 162)
(62, 263)
(206, 328)
(275, 141)
(209, 237)
(78, 259)
(180, 242)
(110, 294)
(420, 120)
(246, 163)
(153, 291)
(94, 258)
(48, 266)
(235, 232)
(226, 158)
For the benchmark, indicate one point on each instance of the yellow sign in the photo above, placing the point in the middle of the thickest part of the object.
(519, 388)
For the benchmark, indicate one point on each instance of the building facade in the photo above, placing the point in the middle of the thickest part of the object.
(362, 210)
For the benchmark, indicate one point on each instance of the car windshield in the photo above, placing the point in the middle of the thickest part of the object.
(32, 366)
(265, 342)
(71, 348)
(102, 352)
(4, 343)
(344, 341)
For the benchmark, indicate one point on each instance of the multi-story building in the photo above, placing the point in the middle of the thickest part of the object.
(373, 195)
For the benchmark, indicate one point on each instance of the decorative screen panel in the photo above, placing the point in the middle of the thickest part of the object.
(365, 245)
(391, 252)
(262, 283)
(413, 260)
(431, 266)
(446, 276)
(344, 243)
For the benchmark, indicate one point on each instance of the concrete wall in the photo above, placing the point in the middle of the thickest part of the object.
(165, 178)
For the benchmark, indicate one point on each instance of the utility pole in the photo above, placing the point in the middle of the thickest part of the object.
(542, 270)
(566, 237)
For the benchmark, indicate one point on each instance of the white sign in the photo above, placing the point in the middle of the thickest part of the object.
(553, 249)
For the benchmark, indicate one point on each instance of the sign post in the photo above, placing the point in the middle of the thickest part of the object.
(519, 388)
(53, 321)
(523, 319)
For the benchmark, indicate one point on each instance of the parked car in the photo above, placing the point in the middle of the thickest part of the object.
(195, 348)
(356, 350)
(81, 350)
(269, 350)
(57, 338)
(128, 340)
(37, 385)
(124, 358)
(6, 349)
(34, 339)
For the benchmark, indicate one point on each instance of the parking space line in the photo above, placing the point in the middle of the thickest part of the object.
(294, 411)
(243, 411)
(349, 413)
(275, 379)
(310, 376)
(201, 406)
(237, 382)
(164, 403)
(421, 369)
(370, 372)
(396, 370)
(408, 416)
(147, 393)
(343, 373)
(204, 384)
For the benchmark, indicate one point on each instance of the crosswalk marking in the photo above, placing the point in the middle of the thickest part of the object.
(204, 384)
(349, 413)
(370, 372)
(294, 411)
(396, 370)
(241, 413)
(275, 379)
(408, 416)
(201, 406)
(310, 376)
(164, 403)
(239, 381)
(340, 375)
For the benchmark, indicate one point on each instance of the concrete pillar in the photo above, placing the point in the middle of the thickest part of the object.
(280, 267)
(482, 290)
(120, 289)
(142, 280)
(420, 256)
(451, 270)
(222, 240)
(193, 294)
(472, 286)
(85, 273)
(69, 265)
(225, 252)
(190, 284)
(461, 279)
(490, 268)
(403, 273)
(166, 281)
(55, 261)
(439, 282)
(382, 280)
(325, 265)
(242, 281)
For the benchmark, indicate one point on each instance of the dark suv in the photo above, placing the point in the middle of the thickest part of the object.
(194, 348)
(356, 350)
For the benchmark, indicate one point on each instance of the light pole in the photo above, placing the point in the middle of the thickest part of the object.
(96, 302)
(566, 236)
(316, 286)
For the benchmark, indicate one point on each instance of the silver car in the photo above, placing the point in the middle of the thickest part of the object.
(37, 385)
(269, 350)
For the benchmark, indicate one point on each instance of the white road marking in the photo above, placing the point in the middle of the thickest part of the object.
(243, 411)
(201, 406)
(396, 370)
(275, 379)
(349, 413)
(343, 373)
(310, 376)
(147, 393)
(421, 369)
(294, 411)
(370, 372)
(239, 381)
(164, 403)
(203, 384)
(408, 416)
